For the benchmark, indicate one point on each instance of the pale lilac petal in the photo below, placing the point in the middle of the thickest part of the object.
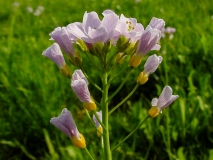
(96, 35)
(54, 53)
(99, 116)
(78, 74)
(64, 39)
(148, 40)
(65, 123)
(154, 101)
(156, 47)
(152, 64)
(81, 90)
(91, 20)
(109, 21)
(172, 98)
(157, 23)
(164, 96)
(76, 29)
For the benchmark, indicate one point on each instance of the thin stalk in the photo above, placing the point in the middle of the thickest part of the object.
(89, 154)
(96, 116)
(95, 85)
(92, 122)
(107, 152)
(121, 85)
(124, 100)
(133, 131)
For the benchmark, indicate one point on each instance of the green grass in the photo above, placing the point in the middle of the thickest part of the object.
(32, 89)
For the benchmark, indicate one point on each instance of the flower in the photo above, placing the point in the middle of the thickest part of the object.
(54, 53)
(79, 84)
(150, 67)
(164, 100)
(97, 123)
(129, 28)
(65, 123)
(92, 29)
(147, 42)
(64, 39)
(157, 23)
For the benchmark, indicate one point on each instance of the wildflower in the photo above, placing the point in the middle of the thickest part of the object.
(150, 67)
(97, 123)
(54, 53)
(80, 86)
(65, 123)
(165, 99)
(129, 28)
(157, 23)
(147, 42)
(92, 29)
(65, 41)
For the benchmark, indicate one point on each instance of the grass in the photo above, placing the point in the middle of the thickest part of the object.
(32, 90)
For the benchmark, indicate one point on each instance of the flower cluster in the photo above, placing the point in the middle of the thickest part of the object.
(100, 38)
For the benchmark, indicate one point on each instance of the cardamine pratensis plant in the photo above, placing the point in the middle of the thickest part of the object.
(113, 41)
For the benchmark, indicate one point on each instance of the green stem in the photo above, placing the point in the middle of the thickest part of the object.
(133, 131)
(124, 100)
(107, 153)
(121, 85)
(89, 154)
(95, 85)
(92, 121)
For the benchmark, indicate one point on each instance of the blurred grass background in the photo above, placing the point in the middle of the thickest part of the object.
(32, 89)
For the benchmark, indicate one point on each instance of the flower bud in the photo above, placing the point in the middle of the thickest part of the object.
(142, 78)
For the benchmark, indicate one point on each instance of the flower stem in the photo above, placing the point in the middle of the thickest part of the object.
(121, 85)
(107, 152)
(89, 154)
(133, 131)
(92, 122)
(124, 100)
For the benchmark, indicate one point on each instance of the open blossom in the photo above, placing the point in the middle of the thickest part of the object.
(164, 100)
(129, 28)
(150, 67)
(54, 53)
(79, 84)
(65, 123)
(92, 29)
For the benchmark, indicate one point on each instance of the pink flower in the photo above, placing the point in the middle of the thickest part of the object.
(65, 123)
(157, 23)
(129, 28)
(79, 84)
(92, 29)
(64, 39)
(164, 100)
(148, 41)
(54, 53)
(152, 64)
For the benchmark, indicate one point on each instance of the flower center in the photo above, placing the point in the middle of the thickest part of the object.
(130, 26)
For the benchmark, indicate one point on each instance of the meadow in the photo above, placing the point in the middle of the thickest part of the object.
(32, 90)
